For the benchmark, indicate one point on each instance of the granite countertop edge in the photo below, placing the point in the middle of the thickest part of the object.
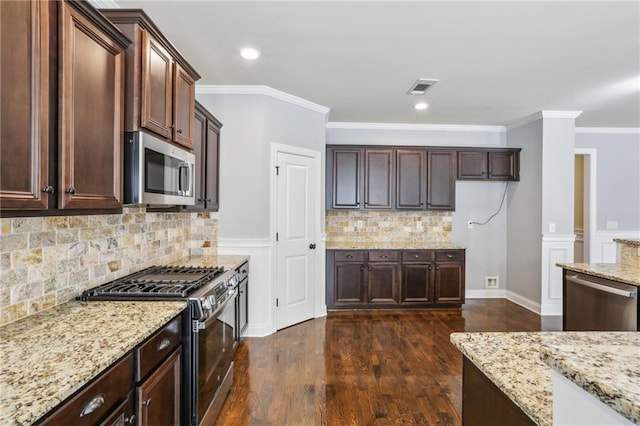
(633, 242)
(593, 377)
(628, 274)
(387, 245)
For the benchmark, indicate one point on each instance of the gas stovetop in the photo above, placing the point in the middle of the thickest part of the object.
(155, 283)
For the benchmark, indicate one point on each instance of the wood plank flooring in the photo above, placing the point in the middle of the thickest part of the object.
(364, 368)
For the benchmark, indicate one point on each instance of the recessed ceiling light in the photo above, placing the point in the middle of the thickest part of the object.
(421, 106)
(249, 53)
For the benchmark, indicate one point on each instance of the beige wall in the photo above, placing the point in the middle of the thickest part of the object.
(46, 261)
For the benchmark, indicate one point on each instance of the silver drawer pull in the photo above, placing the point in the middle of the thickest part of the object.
(95, 403)
(163, 344)
(383, 256)
(147, 402)
(449, 256)
(417, 256)
(349, 256)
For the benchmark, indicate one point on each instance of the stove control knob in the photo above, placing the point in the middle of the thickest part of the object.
(212, 301)
(206, 304)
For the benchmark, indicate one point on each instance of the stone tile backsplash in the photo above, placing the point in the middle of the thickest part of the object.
(46, 261)
(397, 226)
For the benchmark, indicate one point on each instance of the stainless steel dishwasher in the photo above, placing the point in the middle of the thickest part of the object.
(597, 304)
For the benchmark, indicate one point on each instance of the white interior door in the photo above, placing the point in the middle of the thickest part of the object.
(295, 246)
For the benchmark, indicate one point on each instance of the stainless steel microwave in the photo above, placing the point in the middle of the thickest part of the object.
(156, 172)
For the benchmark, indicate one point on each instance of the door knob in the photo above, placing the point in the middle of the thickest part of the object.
(312, 246)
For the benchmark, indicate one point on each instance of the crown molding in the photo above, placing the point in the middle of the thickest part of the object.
(609, 130)
(543, 114)
(260, 90)
(416, 127)
(560, 114)
(104, 4)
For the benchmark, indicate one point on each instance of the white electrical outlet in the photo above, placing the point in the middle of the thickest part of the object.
(470, 224)
(359, 224)
(612, 224)
(419, 226)
(491, 282)
(552, 227)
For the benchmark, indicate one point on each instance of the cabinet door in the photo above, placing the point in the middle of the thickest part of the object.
(91, 68)
(123, 414)
(441, 182)
(472, 165)
(243, 304)
(159, 396)
(503, 165)
(348, 284)
(212, 168)
(344, 173)
(24, 111)
(416, 279)
(157, 68)
(184, 98)
(410, 179)
(378, 178)
(199, 150)
(449, 282)
(382, 283)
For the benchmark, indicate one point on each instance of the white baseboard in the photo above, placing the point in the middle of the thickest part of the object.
(498, 293)
(523, 301)
(258, 330)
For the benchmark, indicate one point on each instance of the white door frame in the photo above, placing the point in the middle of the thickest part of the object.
(590, 169)
(319, 284)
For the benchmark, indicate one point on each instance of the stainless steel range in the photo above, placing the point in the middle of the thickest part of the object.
(209, 334)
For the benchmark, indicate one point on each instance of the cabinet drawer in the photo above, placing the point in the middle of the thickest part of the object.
(383, 256)
(417, 256)
(449, 255)
(98, 399)
(349, 256)
(157, 347)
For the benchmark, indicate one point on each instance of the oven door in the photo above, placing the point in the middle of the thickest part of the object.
(215, 349)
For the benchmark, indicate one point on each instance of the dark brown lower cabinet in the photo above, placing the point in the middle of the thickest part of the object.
(484, 404)
(371, 279)
(124, 414)
(159, 396)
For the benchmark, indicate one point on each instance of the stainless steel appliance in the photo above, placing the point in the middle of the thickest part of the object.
(209, 328)
(597, 304)
(156, 172)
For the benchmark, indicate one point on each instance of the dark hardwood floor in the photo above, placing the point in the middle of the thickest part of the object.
(364, 368)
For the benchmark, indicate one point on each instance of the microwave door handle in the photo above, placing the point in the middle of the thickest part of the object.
(184, 168)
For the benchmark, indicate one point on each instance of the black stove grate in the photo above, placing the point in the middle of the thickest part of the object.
(155, 282)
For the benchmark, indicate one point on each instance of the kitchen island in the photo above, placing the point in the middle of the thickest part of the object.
(519, 365)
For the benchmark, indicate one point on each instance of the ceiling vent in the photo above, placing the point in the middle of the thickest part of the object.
(421, 86)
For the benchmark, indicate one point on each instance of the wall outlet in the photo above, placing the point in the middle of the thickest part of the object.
(612, 224)
(470, 224)
(359, 224)
(491, 282)
(552, 227)
(419, 226)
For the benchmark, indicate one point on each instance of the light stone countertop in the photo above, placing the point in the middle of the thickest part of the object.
(226, 261)
(609, 373)
(512, 361)
(629, 274)
(634, 242)
(387, 245)
(46, 357)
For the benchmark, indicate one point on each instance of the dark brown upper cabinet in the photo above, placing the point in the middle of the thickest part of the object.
(207, 152)
(160, 95)
(24, 92)
(91, 67)
(65, 55)
(343, 178)
(378, 178)
(496, 164)
(441, 180)
(411, 179)
(390, 178)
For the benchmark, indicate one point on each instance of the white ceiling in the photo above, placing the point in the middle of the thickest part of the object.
(497, 62)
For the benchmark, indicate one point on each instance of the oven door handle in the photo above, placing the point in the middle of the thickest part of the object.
(601, 287)
(206, 323)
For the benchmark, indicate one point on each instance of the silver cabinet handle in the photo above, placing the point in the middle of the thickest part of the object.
(163, 344)
(601, 287)
(131, 420)
(449, 256)
(146, 402)
(48, 189)
(95, 403)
